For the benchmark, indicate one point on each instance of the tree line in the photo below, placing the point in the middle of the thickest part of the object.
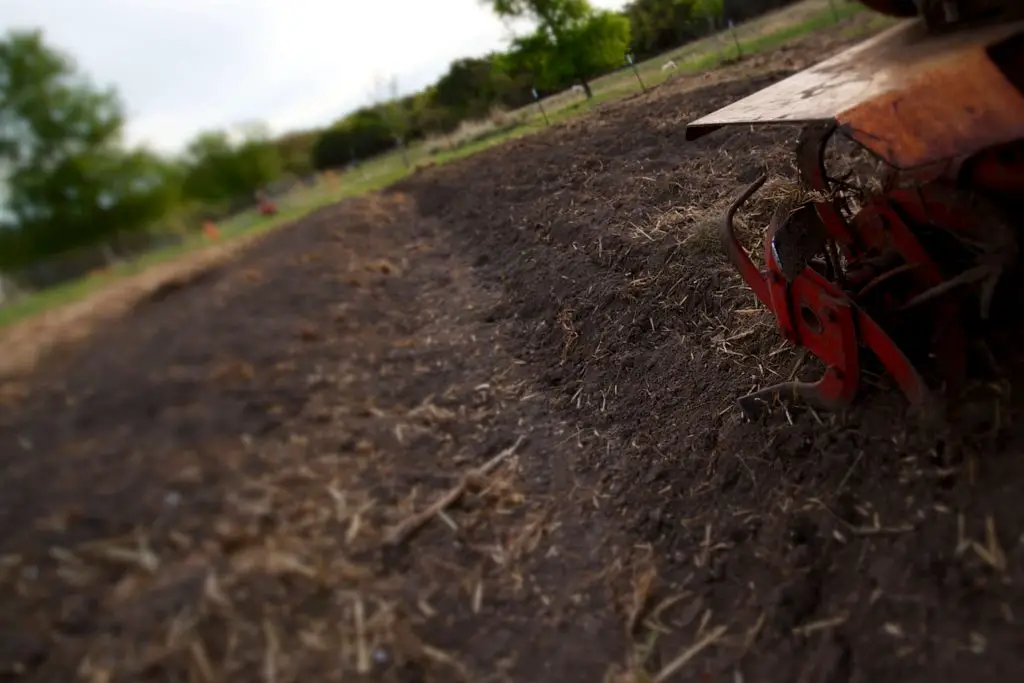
(67, 180)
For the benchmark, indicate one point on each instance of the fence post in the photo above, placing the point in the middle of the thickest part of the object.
(632, 63)
(735, 39)
(536, 97)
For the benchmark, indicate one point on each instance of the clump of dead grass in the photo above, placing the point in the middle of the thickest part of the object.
(28, 342)
(647, 605)
(498, 121)
(287, 572)
(703, 224)
(323, 534)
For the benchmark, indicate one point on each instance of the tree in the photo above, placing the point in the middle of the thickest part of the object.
(428, 117)
(551, 15)
(384, 97)
(68, 181)
(512, 83)
(219, 169)
(572, 42)
(709, 10)
(360, 135)
(139, 187)
(296, 151)
(473, 87)
(594, 47)
(468, 89)
(660, 25)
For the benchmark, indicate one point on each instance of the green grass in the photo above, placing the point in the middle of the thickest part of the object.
(816, 23)
(759, 35)
(387, 169)
(39, 302)
(246, 224)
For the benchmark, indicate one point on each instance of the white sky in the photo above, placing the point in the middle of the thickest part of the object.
(182, 66)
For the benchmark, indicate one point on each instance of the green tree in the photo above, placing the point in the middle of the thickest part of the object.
(139, 187)
(473, 87)
(594, 47)
(572, 42)
(393, 112)
(296, 151)
(512, 83)
(552, 15)
(660, 25)
(360, 135)
(468, 90)
(427, 117)
(68, 182)
(219, 169)
(710, 11)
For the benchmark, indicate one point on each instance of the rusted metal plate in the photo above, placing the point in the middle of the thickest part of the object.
(950, 111)
(911, 97)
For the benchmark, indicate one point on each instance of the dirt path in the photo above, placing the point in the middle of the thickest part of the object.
(211, 493)
(27, 342)
(210, 488)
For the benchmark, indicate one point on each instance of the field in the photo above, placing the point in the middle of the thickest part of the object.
(481, 426)
(750, 38)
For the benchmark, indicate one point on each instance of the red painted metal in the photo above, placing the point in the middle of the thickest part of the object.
(818, 315)
(886, 267)
(891, 274)
(912, 97)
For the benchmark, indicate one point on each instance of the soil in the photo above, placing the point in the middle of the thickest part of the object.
(239, 479)
(28, 343)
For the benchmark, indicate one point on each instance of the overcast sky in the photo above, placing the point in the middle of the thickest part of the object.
(186, 65)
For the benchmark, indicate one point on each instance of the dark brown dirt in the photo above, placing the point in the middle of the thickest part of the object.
(852, 547)
(205, 489)
(224, 464)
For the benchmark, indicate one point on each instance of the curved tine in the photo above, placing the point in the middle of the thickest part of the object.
(792, 393)
(727, 230)
(735, 251)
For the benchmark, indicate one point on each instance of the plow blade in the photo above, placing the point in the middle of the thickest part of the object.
(910, 97)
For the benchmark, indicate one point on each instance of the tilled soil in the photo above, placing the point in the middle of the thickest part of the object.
(862, 546)
(239, 480)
